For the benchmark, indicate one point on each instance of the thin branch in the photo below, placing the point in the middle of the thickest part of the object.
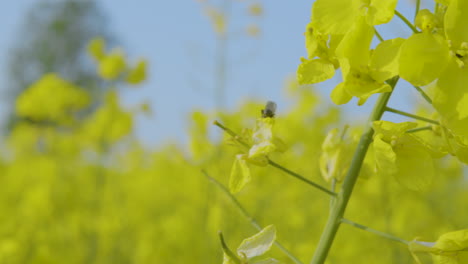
(414, 130)
(389, 109)
(274, 164)
(418, 4)
(231, 133)
(343, 133)
(424, 95)
(373, 231)
(252, 221)
(406, 21)
(302, 178)
(378, 35)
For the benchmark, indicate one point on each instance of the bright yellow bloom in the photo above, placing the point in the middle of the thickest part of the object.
(137, 74)
(450, 248)
(51, 99)
(96, 48)
(112, 65)
(256, 9)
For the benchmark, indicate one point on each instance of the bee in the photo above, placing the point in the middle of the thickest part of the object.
(270, 109)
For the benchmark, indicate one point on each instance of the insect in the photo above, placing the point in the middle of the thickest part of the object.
(270, 109)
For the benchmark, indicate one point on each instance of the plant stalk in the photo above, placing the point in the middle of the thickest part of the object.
(302, 178)
(392, 110)
(375, 232)
(418, 4)
(406, 21)
(339, 206)
(378, 35)
(414, 130)
(423, 94)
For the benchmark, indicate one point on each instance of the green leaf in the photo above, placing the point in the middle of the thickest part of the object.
(381, 11)
(384, 60)
(240, 174)
(314, 71)
(334, 16)
(422, 58)
(258, 244)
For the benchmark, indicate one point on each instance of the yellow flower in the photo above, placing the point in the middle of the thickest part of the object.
(96, 48)
(137, 74)
(112, 65)
(51, 99)
(450, 248)
(256, 9)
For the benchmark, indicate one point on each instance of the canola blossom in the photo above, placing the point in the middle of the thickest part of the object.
(113, 65)
(37, 103)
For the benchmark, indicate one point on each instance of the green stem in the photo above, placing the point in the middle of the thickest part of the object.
(406, 21)
(332, 188)
(343, 133)
(339, 207)
(378, 35)
(376, 232)
(414, 130)
(418, 4)
(231, 133)
(302, 178)
(424, 95)
(389, 109)
(274, 164)
(226, 249)
(249, 218)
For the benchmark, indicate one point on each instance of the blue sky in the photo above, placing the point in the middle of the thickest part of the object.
(177, 39)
